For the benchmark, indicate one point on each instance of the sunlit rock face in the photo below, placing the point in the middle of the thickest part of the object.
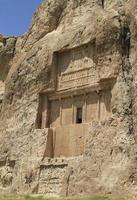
(7, 48)
(68, 101)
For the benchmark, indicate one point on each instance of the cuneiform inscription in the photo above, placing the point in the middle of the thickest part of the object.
(76, 79)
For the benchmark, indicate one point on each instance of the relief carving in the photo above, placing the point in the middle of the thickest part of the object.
(51, 177)
(76, 68)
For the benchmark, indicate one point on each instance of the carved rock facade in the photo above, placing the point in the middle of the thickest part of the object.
(68, 111)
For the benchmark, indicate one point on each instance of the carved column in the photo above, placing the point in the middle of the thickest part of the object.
(72, 110)
(44, 106)
(85, 108)
(60, 102)
(98, 106)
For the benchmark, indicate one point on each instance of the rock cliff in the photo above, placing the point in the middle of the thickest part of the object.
(28, 68)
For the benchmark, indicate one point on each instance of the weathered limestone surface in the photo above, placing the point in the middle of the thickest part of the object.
(76, 35)
(7, 48)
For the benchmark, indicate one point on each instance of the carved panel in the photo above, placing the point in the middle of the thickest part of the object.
(55, 113)
(51, 178)
(83, 77)
(92, 111)
(67, 114)
(76, 68)
(70, 140)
